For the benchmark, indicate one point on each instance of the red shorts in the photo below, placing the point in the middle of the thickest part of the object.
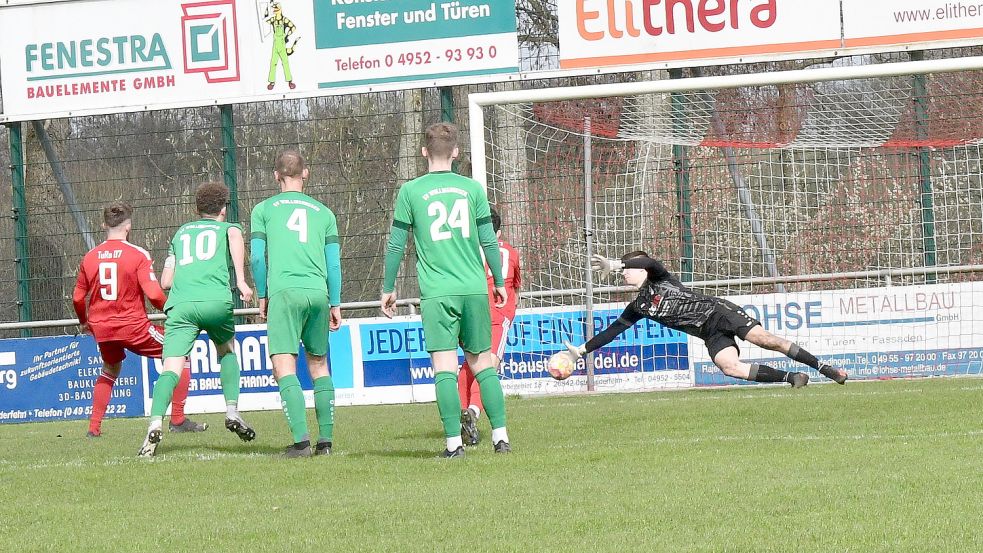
(148, 342)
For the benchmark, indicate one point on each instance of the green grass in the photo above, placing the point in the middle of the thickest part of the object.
(886, 466)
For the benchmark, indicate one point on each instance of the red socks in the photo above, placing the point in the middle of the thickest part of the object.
(467, 388)
(180, 396)
(101, 395)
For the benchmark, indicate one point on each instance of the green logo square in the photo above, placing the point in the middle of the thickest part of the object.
(204, 43)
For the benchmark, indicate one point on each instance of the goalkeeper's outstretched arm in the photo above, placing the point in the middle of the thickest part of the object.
(627, 319)
(655, 269)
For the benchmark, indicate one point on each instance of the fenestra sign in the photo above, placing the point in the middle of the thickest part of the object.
(600, 33)
(100, 56)
(76, 56)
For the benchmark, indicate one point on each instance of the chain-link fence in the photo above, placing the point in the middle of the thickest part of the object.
(360, 148)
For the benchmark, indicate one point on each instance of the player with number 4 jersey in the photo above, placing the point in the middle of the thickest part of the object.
(113, 280)
(298, 281)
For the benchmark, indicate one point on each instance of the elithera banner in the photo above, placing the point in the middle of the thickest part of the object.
(597, 33)
(604, 33)
(101, 56)
(911, 22)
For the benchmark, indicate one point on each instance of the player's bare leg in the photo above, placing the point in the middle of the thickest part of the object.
(729, 363)
(229, 376)
(761, 337)
(101, 395)
(294, 407)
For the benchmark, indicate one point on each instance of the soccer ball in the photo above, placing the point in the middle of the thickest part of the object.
(561, 365)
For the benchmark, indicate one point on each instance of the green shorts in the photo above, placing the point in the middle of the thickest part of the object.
(452, 320)
(186, 320)
(298, 315)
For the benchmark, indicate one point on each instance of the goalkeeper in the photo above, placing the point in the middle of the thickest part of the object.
(663, 299)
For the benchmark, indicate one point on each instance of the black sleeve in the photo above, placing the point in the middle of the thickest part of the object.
(655, 269)
(625, 321)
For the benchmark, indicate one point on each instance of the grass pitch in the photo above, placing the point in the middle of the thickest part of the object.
(885, 466)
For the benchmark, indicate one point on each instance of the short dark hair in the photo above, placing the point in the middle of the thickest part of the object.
(211, 197)
(496, 220)
(633, 255)
(290, 164)
(116, 213)
(441, 139)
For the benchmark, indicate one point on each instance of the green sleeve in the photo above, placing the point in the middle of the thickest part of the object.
(398, 235)
(489, 244)
(257, 264)
(257, 249)
(403, 212)
(487, 237)
(332, 261)
(481, 207)
(257, 221)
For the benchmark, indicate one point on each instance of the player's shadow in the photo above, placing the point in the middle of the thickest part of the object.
(432, 434)
(237, 449)
(411, 437)
(395, 454)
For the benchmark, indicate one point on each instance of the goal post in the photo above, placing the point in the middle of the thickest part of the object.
(842, 206)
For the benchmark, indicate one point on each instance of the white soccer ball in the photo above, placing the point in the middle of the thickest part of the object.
(561, 365)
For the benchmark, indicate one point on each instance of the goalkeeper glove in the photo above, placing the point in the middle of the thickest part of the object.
(605, 266)
(576, 351)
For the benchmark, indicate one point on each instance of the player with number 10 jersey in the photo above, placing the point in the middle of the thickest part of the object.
(197, 272)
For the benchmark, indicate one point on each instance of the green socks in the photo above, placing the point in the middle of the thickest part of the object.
(163, 390)
(448, 402)
(230, 378)
(324, 407)
(292, 399)
(492, 396)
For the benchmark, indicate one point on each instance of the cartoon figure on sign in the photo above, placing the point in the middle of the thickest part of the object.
(282, 28)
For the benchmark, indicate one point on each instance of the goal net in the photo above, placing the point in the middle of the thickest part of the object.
(842, 207)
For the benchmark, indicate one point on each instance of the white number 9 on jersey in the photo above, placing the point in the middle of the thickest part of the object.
(457, 218)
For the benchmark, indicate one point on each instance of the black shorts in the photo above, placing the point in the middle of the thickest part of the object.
(727, 321)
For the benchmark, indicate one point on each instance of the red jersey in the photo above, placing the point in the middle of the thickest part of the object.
(116, 276)
(512, 278)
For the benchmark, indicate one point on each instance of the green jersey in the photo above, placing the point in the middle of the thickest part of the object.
(445, 211)
(297, 229)
(201, 262)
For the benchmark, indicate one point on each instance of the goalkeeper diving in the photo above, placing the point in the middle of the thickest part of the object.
(663, 299)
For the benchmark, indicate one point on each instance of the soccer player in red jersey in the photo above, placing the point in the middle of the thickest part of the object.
(115, 277)
(501, 318)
